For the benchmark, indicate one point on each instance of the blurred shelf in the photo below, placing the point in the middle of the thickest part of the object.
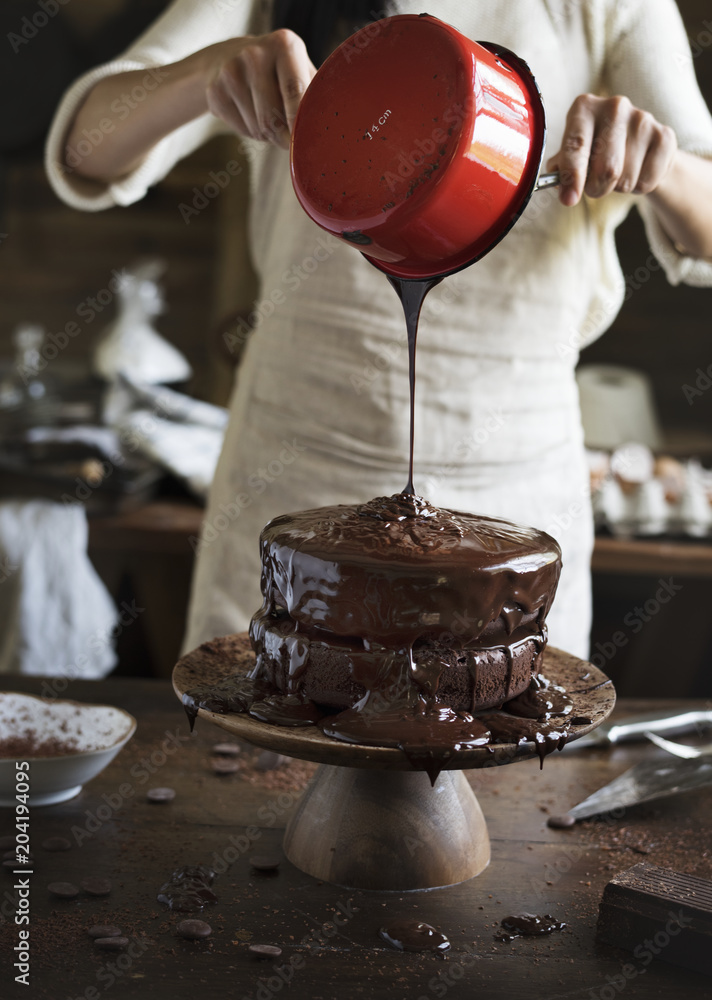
(163, 526)
(646, 556)
(172, 526)
(687, 442)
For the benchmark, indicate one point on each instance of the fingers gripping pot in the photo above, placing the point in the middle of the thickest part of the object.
(418, 146)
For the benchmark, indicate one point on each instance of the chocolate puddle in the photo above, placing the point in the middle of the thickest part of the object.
(429, 737)
(528, 925)
(542, 699)
(413, 935)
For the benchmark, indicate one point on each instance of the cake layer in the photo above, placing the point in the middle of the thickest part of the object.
(396, 570)
(340, 672)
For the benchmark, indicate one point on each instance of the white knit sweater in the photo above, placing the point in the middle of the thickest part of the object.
(319, 412)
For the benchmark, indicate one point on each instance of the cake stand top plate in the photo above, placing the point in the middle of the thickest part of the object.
(592, 693)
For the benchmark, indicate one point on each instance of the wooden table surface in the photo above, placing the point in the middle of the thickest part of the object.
(329, 935)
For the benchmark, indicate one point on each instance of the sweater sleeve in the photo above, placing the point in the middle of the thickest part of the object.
(649, 60)
(184, 28)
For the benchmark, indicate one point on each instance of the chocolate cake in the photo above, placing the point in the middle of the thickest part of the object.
(398, 602)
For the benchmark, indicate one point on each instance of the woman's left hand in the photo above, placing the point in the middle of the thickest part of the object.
(610, 145)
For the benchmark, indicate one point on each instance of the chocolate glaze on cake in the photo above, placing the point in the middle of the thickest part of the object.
(394, 623)
(398, 597)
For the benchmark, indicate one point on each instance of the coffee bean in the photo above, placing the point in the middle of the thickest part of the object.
(56, 844)
(104, 931)
(7, 842)
(194, 930)
(160, 794)
(96, 886)
(111, 943)
(561, 822)
(227, 749)
(222, 765)
(63, 889)
(269, 761)
(265, 950)
(11, 855)
(9, 865)
(265, 862)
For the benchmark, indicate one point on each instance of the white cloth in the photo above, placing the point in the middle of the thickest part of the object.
(182, 434)
(189, 451)
(319, 411)
(56, 616)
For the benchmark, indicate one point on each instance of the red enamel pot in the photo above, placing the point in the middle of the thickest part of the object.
(419, 146)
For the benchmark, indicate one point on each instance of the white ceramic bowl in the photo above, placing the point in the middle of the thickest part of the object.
(97, 732)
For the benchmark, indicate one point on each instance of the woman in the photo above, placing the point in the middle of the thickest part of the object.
(319, 412)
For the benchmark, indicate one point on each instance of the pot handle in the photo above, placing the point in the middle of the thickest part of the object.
(547, 181)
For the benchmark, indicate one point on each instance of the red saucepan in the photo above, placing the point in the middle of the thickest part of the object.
(419, 146)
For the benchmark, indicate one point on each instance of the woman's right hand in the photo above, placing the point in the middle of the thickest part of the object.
(255, 84)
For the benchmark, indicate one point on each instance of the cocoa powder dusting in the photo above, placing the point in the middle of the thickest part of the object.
(32, 745)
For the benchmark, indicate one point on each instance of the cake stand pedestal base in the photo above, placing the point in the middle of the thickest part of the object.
(373, 829)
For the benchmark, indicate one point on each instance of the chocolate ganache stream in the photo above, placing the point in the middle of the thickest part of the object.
(412, 295)
(395, 623)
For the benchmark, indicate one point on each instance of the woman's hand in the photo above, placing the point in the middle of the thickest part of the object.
(255, 83)
(610, 145)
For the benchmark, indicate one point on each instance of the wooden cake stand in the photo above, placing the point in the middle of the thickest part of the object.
(368, 819)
